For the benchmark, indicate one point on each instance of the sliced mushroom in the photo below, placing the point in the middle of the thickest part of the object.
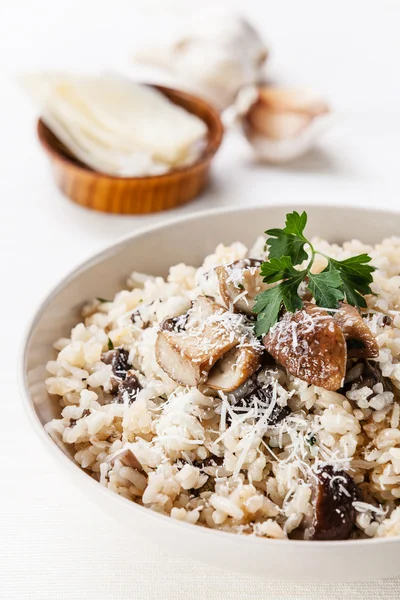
(334, 515)
(310, 345)
(177, 363)
(234, 368)
(360, 341)
(187, 356)
(128, 459)
(239, 283)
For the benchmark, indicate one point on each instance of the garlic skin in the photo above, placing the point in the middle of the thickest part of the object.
(281, 124)
(219, 56)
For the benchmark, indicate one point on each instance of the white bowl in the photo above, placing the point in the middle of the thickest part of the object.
(152, 251)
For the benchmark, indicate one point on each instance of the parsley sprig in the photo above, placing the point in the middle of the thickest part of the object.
(347, 279)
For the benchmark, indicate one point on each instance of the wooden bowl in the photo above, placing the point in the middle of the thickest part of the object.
(135, 195)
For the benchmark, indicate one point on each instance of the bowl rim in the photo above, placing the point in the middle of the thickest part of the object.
(91, 483)
(209, 151)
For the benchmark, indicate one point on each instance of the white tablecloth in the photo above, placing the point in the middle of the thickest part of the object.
(53, 543)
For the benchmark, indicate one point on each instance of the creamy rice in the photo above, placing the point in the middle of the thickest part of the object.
(200, 460)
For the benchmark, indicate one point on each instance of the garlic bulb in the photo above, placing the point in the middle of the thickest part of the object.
(281, 124)
(215, 60)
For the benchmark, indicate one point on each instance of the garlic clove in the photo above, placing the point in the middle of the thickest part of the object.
(276, 126)
(292, 100)
(281, 123)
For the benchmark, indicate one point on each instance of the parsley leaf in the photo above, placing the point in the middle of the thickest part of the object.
(290, 240)
(326, 287)
(296, 223)
(268, 306)
(356, 276)
(277, 269)
(348, 279)
(110, 344)
(269, 303)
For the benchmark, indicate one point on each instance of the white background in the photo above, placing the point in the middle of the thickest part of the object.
(53, 543)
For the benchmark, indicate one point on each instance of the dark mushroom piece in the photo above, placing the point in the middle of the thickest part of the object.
(176, 324)
(239, 283)
(131, 386)
(211, 461)
(210, 467)
(278, 413)
(310, 345)
(137, 319)
(208, 486)
(254, 390)
(73, 422)
(118, 359)
(360, 341)
(335, 515)
(366, 374)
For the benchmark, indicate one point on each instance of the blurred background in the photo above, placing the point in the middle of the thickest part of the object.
(347, 50)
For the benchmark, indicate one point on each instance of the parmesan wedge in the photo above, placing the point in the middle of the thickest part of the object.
(116, 126)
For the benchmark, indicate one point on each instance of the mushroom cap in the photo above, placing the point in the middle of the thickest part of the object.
(310, 345)
(355, 328)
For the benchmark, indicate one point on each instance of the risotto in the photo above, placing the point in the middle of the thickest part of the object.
(169, 399)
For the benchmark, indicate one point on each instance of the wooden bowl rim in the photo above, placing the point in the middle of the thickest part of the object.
(209, 151)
